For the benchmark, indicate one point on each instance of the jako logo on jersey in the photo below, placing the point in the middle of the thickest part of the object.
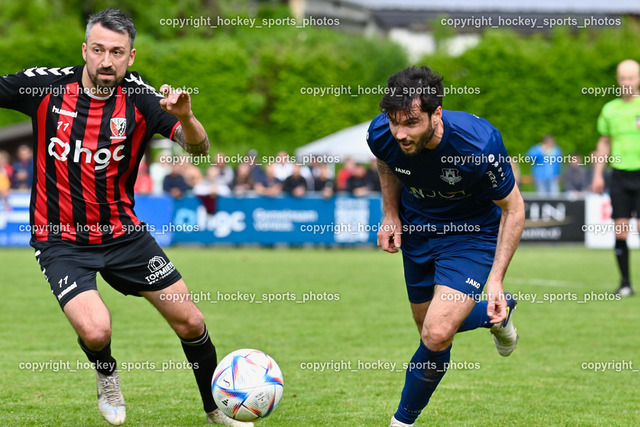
(492, 177)
(473, 283)
(102, 157)
(450, 176)
(118, 127)
(404, 171)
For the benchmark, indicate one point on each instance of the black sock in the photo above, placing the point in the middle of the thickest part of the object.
(201, 354)
(105, 363)
(622, 254)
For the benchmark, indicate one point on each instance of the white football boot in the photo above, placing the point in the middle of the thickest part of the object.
(217, 417)
(505, 335)
(396, 423)
(110, 400)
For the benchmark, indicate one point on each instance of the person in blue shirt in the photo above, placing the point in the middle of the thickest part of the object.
(451, 205)
(546, 167)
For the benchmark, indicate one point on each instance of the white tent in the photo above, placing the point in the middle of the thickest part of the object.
(346, 143)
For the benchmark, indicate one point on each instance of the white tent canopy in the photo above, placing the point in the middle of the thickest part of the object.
(346, 143)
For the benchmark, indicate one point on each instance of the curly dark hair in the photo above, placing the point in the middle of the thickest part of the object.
(413, 83)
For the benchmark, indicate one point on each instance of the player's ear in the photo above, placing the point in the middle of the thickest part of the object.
(437, 114)
(84, 52)
(132, 57)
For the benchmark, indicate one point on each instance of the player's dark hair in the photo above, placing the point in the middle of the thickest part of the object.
(413, 83)
(114, 20)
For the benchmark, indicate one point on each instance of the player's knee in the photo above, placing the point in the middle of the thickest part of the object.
(437, 338)
(190, 326)
(96, 338)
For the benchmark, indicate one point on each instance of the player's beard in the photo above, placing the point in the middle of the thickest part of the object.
(422, 142)
(104, 87)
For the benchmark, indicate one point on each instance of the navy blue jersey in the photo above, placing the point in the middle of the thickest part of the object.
(449, 189)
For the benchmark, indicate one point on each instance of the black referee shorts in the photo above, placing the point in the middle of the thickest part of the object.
(625, 193)
(130, 266)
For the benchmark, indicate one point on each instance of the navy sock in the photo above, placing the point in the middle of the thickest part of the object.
(622, 254)
(424, 373)
(478, 318)
(105, 363)
(201, 354)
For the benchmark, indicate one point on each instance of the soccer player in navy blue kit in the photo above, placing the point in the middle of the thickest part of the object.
(91, 124)
(452, 206)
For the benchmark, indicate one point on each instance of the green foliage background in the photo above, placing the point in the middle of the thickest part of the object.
(531, 86)
(249, 81)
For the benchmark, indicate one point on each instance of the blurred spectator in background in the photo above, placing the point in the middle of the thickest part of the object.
(210, 188)
(242, 180)
(545, 171)
(191, 173)
(323, 182)
(358, 185)
(271, 186)
(257, 174)
(295, 184)
(225, 171)
(159, 169)
(212, 184)
(144, 183)
(283, 167)
(344, 174)
(372, 176)
(174, 184)
(576, 177)
(5, 179)
(23, 168)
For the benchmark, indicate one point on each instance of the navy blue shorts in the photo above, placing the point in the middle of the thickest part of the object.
(130, 266)
(460, 262)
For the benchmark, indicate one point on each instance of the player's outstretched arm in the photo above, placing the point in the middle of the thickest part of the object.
(389, 235)
(603, 149)
(511, 225)
(190, 135)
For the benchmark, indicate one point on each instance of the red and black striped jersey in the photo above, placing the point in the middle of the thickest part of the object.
(86, 151)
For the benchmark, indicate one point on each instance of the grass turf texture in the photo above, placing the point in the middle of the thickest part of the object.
(542, 383)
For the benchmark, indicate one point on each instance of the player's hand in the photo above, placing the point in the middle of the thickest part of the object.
(497, 307)
(390, 235)
(177, 102)
(597, 184)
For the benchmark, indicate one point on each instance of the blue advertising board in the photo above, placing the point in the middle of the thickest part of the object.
(342, 220)
(279, 220)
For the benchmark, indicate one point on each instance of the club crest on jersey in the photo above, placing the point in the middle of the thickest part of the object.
(450, 176)
(118, 127)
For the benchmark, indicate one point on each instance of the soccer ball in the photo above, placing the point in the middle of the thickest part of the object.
(247, 384)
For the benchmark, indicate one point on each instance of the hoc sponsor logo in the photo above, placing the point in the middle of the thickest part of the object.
(118, 128)
(159, 269)
(450, 176)
(61, 150)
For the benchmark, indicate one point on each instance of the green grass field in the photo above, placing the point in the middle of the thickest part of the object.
(365, 326)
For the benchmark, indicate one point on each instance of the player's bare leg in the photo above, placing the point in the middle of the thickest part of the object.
(622, 256)
(91, 320)
(444, 315)
(184, 317)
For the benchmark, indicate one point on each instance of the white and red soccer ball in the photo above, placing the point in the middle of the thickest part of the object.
(247, 384)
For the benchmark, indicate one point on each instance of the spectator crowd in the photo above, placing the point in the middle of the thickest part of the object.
(178, 175)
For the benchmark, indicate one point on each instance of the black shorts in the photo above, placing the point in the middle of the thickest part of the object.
(625, 193)
(130, 266)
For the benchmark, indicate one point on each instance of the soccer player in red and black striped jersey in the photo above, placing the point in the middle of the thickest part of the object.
(91, 124)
